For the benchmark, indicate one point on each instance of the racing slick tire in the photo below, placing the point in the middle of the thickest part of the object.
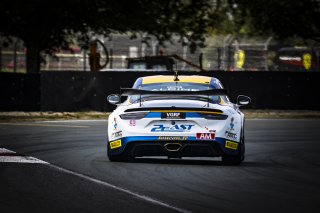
(237, 159)
(117, 158)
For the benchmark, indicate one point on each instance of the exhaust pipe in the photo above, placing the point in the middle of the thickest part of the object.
(172, 147)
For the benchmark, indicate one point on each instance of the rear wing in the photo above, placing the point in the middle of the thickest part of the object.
(131, 91)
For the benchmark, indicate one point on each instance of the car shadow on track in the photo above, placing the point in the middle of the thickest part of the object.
(193, 161)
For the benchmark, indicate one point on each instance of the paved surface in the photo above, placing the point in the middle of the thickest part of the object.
(281, 172)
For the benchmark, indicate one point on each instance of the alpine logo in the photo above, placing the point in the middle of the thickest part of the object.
(132, 122)
(205, 136)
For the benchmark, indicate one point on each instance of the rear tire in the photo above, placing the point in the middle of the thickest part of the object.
(235, 159)
(114, 158)
(117, 158)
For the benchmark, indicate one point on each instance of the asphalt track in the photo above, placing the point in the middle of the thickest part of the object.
(281, 172)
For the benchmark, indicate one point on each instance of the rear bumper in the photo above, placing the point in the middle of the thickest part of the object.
(140, 146)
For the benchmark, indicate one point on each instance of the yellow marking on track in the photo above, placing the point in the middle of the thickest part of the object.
(204, 112)
(44, 125)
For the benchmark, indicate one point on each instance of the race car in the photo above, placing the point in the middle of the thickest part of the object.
(176, 116)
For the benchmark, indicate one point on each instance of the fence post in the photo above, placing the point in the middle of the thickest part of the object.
(111, 58)
(226, 44)
(229, 58)
(15, 56)
(236, 49)
(219, 59)
(84, 59)
(266, 45)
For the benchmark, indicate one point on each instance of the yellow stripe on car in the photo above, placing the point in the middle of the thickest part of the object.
(182, 79)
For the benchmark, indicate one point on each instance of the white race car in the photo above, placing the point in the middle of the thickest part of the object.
(176, 116)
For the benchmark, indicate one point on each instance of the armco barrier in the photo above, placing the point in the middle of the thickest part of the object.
(80, 91)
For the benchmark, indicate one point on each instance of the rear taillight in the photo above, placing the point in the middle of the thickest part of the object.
(214, 116)
(133, 115)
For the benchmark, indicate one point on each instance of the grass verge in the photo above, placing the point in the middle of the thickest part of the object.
(282, 114)
(43, 116)
(250, 114)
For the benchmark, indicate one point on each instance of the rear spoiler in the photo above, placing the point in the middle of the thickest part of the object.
(131, 91)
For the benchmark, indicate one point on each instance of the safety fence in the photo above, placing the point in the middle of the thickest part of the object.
(227, 53)
(81, 91)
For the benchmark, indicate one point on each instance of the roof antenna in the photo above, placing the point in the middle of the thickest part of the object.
(176, 77)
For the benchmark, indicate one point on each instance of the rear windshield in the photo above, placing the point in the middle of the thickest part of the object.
(177, 86)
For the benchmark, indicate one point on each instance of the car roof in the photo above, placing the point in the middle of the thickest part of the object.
(182, 79)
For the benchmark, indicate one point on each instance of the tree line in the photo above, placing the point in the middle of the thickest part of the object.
(47, 25)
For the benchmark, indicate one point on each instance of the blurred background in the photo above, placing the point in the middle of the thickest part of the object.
(67, 55)
(227, 35)
(222, 53)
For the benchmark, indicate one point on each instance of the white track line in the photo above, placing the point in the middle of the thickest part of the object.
(8, 156)
(12, 158)
(20, 159)
(142, 197)
(2, 150)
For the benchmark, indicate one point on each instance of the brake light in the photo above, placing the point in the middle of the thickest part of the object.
(133, 116)
(214, 116)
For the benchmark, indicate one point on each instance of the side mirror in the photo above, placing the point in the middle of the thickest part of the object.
(243, 100)
(113, 99)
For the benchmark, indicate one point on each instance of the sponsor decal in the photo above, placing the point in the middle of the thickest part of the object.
(132, 122)
(117, 134)
(232, 124)
(172, 128)
(231, 145)
(231, 135)
(210, 130)
(175, 88)
(172, 138)
(115, 144)
(114, 123)
(173, 115)
(205, 136)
